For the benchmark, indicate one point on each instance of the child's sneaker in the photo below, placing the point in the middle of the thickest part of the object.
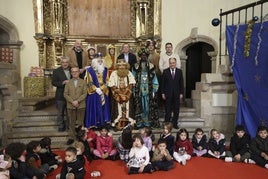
(183, 162)
(250, 161)
(228, 159)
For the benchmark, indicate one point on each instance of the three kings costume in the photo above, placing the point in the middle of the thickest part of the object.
(97, 106)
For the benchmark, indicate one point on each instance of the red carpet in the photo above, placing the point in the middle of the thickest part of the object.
(196, 168)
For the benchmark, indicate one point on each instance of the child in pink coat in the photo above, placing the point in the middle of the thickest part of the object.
(105, 148)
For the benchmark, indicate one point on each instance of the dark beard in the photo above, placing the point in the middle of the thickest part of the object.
(122, 72)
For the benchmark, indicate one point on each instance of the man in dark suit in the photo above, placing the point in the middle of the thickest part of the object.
(128, 56)
(172, 91)
(61, 76)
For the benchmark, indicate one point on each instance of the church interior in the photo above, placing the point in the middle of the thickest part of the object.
(208, 36)
(35, 34)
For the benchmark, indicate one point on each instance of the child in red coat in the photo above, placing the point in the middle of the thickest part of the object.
(105, 148)
(183, 147)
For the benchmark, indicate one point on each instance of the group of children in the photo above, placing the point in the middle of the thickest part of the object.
(143, 157)
(36, 160)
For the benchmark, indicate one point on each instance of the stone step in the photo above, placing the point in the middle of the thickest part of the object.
(35, 118)
(58, 139)
(35, 126)
(190, 121)
(31, 104)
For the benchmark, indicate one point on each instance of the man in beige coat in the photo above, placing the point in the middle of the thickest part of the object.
(75, 94)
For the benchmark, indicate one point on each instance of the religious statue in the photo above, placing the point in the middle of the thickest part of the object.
(121, 82)
(145, 92)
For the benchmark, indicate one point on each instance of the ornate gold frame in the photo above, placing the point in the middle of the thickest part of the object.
(51, 29)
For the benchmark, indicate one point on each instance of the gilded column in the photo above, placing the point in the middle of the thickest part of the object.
(142, 17)
(157, 24)
(41, 43)
(58, 48)
(38, 16)
(57, 8)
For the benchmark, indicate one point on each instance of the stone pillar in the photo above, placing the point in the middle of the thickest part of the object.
(183, 68)
(213, 56)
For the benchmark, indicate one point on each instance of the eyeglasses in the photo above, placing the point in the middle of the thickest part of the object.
(75, 71)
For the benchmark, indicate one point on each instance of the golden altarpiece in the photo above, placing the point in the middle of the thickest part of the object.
(58, 23)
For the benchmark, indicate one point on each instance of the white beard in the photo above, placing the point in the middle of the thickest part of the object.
(99, 68)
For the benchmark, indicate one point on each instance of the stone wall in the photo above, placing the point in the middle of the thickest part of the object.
(215, 101)
(8, 98)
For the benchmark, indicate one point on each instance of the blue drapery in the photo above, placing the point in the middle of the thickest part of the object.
(250, 74)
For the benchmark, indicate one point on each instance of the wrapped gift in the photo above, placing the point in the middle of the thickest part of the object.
(34, 86)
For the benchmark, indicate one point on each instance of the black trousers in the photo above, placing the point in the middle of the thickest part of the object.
(259, 160)
(135, 170)
(172, 106)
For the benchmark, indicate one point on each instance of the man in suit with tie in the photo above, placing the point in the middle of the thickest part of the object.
(75, 93)
(172, 91)
(128, 56)
(60, 78)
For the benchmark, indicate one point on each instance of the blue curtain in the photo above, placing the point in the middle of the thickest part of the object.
(250, 73)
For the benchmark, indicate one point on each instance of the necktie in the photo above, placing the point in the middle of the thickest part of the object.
(173, 74)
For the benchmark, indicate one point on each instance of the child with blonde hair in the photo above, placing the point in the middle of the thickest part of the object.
(183, 147)
(216, 144)
(168, 137)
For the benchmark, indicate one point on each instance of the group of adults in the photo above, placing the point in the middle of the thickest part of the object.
(112, 90)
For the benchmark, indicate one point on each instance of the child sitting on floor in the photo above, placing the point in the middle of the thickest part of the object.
(20, 168)
(216, 144)
(80, 150)
(146, 133)
(72, 167)
(5, 164)
(168, 137)
(46, 154)
(91, 136)
(162, 160)
(124, 143)
(183, 147)
(33, 158)
(259, 147)
(239, 146)
(82, 137)
(139, 157)
(199, 141)
(105, 148)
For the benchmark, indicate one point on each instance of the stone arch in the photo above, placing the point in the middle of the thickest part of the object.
(10, 39)
(194, 38)
(10, 28)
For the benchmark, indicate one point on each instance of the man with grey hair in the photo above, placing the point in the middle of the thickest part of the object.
(60, 77)
(97, 101)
